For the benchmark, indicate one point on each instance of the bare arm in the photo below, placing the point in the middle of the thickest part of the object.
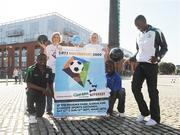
(49, 90)
(35, 87)
(44, 48)
(106, 53)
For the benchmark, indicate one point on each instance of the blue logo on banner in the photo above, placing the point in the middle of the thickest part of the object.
(76, 40)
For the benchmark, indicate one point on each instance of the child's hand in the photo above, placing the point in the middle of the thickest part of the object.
(42, 45)
(127, 61)
(48, 92)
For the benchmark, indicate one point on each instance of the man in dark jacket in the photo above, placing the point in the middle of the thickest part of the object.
(151, 47)
(39, 79)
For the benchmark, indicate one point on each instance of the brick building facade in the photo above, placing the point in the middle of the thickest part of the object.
(20, 55)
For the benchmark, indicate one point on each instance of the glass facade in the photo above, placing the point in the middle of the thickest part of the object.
(28, 30)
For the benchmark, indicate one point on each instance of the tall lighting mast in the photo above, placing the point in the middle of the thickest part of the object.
(114, 24)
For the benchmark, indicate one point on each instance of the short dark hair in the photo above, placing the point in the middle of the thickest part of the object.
(140, 18)
(41, 54)
(110, 62)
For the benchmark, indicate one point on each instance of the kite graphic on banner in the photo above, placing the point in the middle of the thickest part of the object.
(77, 69)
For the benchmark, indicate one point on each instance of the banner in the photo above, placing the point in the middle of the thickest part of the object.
(80, 83)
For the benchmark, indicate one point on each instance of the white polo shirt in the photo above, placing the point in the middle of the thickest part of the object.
(146, 46)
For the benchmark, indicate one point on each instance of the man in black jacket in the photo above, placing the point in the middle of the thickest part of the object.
(39, 79)
(151, 47)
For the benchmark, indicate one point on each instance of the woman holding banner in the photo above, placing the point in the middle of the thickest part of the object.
(94, 45)
(51, 51)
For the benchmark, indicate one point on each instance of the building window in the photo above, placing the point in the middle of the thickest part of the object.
(52, 26)
(34, 27)
(24, 57)
(37, 52)
(0, 58)
(5, 58)
(16, 57)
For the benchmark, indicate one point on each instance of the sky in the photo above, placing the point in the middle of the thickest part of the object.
(94, 15)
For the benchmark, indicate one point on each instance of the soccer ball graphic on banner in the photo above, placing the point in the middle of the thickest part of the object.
(76, 66)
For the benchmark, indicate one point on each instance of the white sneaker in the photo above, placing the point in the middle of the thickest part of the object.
(121, 115)
(140, 118)
(108, 115)
(151, 122)
(32, 119)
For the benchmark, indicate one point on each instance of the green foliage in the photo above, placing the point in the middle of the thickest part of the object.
(177, 71)
(167, 68)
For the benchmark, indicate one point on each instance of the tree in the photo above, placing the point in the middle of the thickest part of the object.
(177, 71)
(167, 68)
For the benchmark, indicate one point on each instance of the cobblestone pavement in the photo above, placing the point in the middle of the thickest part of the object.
(14, 121)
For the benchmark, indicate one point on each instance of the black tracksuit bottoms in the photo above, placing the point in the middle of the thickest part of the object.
(148, 72)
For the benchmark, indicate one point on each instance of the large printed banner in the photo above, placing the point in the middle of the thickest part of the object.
(80, 83)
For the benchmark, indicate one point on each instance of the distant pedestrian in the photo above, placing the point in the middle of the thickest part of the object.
(151, 47)
(114, 83)
(39, 81)
(15, 75)
(20, 75)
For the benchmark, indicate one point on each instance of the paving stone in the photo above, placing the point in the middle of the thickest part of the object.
(102, 133)
(13, 118)
(85, 132)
